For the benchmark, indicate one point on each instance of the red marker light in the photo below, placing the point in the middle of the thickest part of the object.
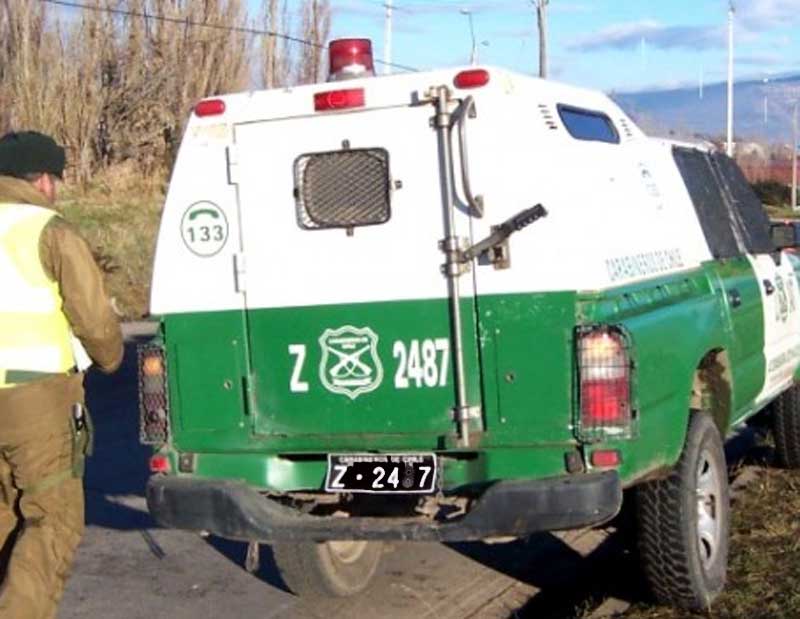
(210, 107)
(339, 99)
(605, 458)
(159, 463)
(472, 78)
(350, 58)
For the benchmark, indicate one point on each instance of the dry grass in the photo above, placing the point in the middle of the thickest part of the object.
(118, 215)
(764, 567)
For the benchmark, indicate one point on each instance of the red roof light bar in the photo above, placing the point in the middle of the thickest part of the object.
(350, 58)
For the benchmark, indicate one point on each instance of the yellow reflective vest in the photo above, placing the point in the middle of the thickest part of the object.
(35, 336)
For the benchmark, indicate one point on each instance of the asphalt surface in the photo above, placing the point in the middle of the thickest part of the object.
(130, 568)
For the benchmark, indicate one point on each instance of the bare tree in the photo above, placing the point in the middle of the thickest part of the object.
(275, 53)
(118, 88)
(316, 25)
(77, 77)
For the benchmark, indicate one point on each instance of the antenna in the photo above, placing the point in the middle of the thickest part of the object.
(387, 39)
(643, 51)
(794, 157)
(702, 80)
(473, 57)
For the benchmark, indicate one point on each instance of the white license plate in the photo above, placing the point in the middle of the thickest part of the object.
(382, 473)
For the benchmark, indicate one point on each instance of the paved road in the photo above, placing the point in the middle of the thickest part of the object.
(129, 568)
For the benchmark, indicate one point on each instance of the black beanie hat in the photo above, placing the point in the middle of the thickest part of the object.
(30, 152)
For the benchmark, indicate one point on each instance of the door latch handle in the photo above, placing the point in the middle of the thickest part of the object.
(768, 287)
(501, 233)
(734, 297)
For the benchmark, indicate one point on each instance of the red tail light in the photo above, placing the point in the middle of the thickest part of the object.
(350, 58)
(159, 463)
(339, 99)
(604, 401)
(210, 107)
(605, 375)
(472, 78)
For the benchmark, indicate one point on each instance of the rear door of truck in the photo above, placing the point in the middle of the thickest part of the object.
(346, 306)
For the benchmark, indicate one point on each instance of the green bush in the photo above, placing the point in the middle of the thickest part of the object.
(772, 192)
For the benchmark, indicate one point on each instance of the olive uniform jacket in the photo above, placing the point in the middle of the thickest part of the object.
(68, 261)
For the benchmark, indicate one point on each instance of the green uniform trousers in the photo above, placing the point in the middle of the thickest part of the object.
(40, 527)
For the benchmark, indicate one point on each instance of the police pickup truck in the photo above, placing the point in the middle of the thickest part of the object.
(457, 305)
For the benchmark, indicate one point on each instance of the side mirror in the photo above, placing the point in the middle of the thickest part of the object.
(784, 235)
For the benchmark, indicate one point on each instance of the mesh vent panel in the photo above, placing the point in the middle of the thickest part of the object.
(153, 398)
(343, 189)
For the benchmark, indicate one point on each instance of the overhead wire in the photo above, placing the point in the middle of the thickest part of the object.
(212, 26)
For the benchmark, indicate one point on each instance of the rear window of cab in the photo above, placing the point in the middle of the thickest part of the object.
(588, 125)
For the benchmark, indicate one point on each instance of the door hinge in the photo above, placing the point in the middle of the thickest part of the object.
(232, 156)
(240, 272)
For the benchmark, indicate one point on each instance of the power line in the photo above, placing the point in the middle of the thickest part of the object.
(198, 24)
(186, 22)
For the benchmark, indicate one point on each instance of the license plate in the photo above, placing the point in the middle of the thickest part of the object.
(381, 473)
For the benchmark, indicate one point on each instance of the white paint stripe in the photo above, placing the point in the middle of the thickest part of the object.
(614, 210)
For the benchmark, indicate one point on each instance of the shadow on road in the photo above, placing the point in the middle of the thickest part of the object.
(236, 552)
(567, 582)
(117, 472)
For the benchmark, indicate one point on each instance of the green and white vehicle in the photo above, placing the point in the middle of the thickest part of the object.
(457, 305)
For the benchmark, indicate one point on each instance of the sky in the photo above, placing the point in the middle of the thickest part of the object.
(613, 45)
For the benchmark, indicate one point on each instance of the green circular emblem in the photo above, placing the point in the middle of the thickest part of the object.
(204, 229)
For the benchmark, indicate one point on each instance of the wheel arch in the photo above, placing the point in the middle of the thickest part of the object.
(712, 388)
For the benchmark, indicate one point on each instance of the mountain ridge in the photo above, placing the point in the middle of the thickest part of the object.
(680, 112)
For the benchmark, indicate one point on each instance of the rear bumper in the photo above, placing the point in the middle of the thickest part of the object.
(509, 508)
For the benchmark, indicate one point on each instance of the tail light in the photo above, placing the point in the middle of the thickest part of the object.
(153, 397)
(350, 58)
(159, 463)
(604, 368)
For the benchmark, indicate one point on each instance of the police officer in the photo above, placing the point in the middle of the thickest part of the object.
(54, 317)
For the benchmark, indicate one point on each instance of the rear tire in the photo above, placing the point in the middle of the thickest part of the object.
(684, 521)
(337, 569)
(786, 428)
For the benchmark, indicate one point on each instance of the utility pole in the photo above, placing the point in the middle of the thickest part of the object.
(794, 158)
(473, 55)
(541, 20)
(387, 39)
(643, 53)
(731, 12)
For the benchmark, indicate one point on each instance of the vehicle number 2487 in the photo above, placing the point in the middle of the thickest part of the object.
(419, 364)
